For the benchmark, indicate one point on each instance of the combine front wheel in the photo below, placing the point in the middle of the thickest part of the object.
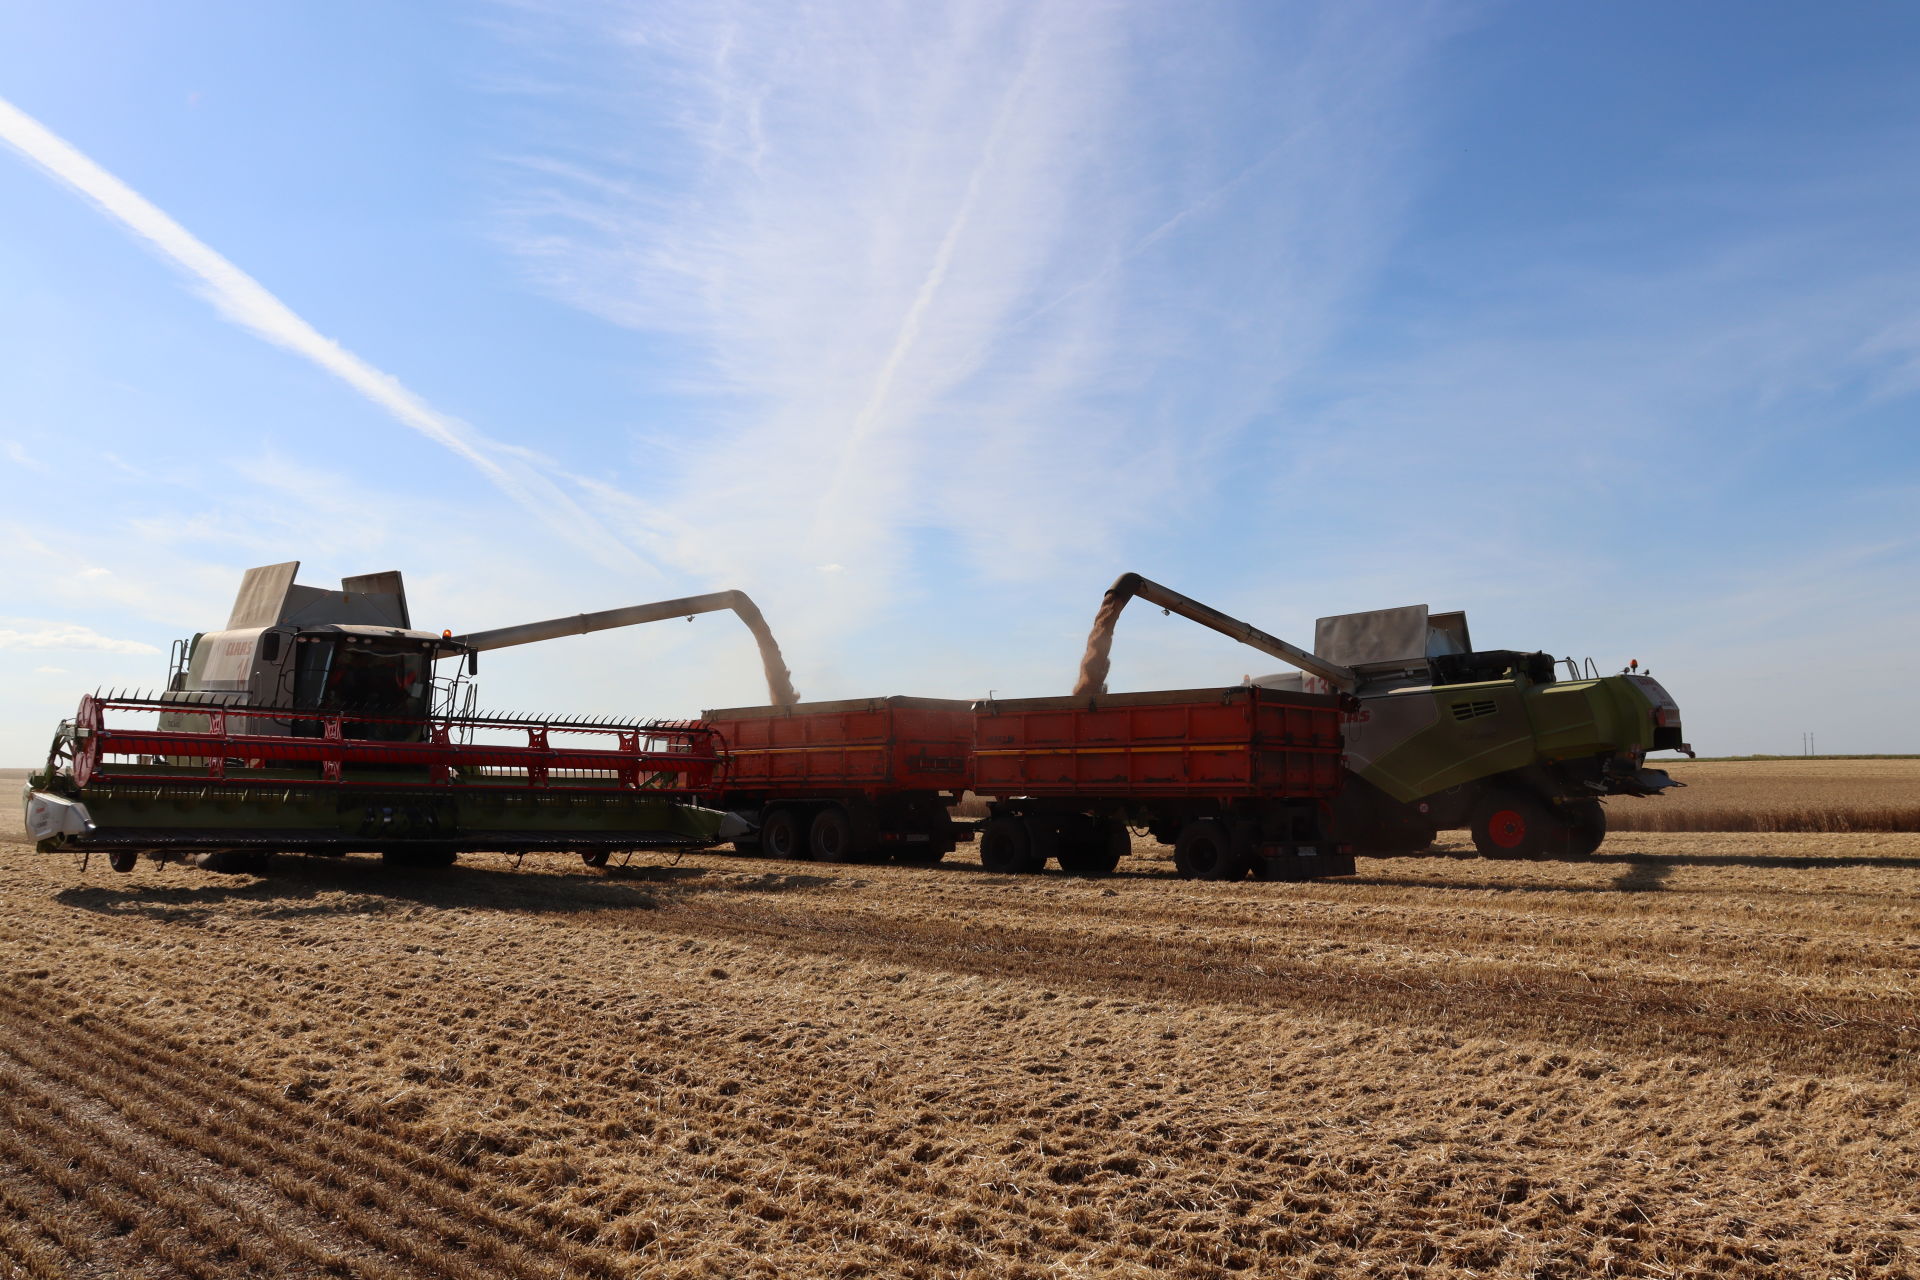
(1516, 824)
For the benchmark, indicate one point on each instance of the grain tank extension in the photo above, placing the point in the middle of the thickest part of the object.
(1442, 735)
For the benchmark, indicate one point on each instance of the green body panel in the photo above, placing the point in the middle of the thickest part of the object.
(1588, 717)
(480, 814)
(1414, 743)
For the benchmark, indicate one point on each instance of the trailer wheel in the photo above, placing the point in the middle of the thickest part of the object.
(595, 857)
(1005, 847)
(1511, 823)
(780, 834)
(1205, 851)
(123, 860)
(418, 858)
(920, 855)
(832, 837)
(235, 862)
(1589, 819)
(1095, 850)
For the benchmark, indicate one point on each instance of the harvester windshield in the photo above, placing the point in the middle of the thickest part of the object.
(385, 679)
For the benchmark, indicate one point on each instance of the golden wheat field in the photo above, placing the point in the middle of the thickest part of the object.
(1693, 1056)
(1818, 794)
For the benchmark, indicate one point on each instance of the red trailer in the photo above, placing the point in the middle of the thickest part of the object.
(844, 781)
(1238, 780)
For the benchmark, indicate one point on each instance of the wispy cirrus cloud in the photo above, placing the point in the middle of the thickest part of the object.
(1001, 277)
(249, 304)
(70, 636)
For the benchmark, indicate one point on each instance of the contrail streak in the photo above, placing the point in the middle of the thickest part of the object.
(247, 302)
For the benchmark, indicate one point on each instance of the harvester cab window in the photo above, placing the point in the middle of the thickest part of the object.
(349, 673)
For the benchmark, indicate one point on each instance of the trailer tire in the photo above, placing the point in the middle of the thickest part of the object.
(920, 855)
(421, 859)
(1205, 851)
(1096, 850)
(123, 860)
(595, 857)
(236, 862)
(1512, 823)
(1006, 848)
(780, 834)
(836, 836)
(1589, 821)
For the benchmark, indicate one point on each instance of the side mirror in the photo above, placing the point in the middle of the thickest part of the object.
(473, 664)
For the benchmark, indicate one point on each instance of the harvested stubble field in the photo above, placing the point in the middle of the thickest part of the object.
(1691, 1057)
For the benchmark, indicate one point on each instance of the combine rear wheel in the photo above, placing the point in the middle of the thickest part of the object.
(1205, 851)
(595, 857)
(122, 859)
(1589, 819)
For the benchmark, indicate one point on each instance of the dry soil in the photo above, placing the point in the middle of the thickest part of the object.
(1690, 1057)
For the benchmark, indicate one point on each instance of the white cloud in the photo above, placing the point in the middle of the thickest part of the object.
(18, 455)
(948, 268)
(69, 636)
(247, 303)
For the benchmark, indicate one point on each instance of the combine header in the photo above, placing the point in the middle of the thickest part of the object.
(315, 723)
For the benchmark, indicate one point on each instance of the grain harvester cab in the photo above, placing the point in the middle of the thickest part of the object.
(314, 722)
(1447, 735)
(308, 649)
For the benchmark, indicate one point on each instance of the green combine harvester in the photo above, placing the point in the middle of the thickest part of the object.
(317, 722)
(1441, 735)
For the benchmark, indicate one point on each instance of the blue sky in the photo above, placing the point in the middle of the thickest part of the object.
(922, 322)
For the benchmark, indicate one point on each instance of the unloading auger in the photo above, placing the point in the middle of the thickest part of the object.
(315, 722)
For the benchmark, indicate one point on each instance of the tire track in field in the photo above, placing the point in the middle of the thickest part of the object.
(334, 1172)
(1640, 1014)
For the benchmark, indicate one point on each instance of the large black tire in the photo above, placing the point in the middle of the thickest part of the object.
(1006, 847)
(1589, 823)
(781, 835)
(1094, 849)
(831, 837)
(1510, 822)
(236, 862)
(1044, 843)
(1206, 851)
(920, 854)
(423, 858)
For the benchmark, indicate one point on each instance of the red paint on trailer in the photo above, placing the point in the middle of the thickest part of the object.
(1231, 743)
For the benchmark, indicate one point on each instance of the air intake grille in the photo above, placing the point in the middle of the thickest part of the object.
(1473, 710)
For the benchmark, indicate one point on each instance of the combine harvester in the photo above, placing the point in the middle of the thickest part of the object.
(1440, 735)
(315, 723)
